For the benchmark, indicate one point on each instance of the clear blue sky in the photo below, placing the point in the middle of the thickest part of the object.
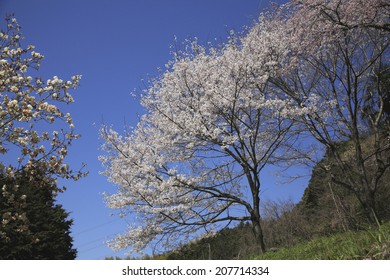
(115, 45)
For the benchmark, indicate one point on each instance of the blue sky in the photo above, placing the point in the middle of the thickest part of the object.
(115, 45)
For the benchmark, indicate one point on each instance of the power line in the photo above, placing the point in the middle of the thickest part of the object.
(93, 248)
(96, 240)
(95, 227)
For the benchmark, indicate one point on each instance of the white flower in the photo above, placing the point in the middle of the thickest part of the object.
(14, 89)
(23, 68)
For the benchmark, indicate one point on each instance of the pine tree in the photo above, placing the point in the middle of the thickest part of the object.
(36, 227)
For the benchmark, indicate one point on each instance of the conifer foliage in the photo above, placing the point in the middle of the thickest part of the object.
(37, 227)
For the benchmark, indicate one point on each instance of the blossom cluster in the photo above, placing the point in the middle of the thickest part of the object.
(28, 107)
(216, 116)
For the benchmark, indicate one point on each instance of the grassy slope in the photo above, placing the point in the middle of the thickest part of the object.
(369, 244)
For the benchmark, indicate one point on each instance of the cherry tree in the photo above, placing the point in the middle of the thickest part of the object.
(33, 128)
(217, 116)
(341, 14)
(193, 163)
(340, 47)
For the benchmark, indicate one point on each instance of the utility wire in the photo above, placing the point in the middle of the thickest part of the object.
(96, 227)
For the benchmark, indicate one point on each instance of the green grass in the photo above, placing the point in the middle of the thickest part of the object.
(368, 244)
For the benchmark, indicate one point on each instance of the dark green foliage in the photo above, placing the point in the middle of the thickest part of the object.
(327, 207)
(285, 228)
(330, 207)
(227, 244)
(37, 227)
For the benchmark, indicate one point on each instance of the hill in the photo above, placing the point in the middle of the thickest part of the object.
(365, 244)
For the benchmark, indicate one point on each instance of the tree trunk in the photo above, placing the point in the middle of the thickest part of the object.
(369, 206)
(258, 232)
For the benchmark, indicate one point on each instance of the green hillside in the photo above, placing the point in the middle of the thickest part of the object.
(366, 244)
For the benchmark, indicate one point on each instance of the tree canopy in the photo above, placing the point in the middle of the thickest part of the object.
(34, 227)
(218, 115)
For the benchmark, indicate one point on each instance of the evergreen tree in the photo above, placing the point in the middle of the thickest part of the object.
(37, 228)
